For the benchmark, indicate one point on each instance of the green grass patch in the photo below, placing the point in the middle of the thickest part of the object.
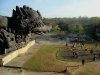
(45, 59)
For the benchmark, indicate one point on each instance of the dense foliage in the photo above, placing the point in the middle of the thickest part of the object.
(80, 25)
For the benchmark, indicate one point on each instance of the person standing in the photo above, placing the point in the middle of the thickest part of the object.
(83, 61)
(91, 51)
(94, 58)
(96, 45)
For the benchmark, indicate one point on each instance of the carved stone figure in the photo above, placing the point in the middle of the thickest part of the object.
(15, 31)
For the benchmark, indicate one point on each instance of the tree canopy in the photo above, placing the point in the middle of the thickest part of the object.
(89, 26)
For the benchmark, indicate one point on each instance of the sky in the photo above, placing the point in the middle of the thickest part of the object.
(55, 8)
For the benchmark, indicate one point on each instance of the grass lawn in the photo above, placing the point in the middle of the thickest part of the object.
(45, 60)
(88, 69)
(90, 46)
(80, 50)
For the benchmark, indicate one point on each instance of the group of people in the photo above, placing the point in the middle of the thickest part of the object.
(75, 53)
(81, 44)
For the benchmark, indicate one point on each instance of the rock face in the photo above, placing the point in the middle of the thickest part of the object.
(25, 20)
(15, 31)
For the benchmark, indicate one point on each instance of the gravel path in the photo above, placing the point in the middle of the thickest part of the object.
(20, 60)
(12, 71)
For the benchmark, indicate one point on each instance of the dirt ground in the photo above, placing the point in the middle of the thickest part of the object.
(13, 71)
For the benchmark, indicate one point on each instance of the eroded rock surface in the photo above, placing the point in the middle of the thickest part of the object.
(15, 31)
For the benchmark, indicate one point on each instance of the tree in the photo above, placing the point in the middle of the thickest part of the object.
(77, 28)
(63, 26)
(56, 28)
(95, 21)
(3, 22)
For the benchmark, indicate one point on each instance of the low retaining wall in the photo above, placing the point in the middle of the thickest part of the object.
(4, 60)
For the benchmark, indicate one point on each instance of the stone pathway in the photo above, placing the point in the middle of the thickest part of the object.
(20, 60)
(13, 71)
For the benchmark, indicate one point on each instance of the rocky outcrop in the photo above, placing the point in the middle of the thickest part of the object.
(16, 31)
(25, 19)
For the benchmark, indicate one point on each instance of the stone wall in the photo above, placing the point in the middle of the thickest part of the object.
(4, 60)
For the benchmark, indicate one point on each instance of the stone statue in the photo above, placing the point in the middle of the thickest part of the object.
(16, 30)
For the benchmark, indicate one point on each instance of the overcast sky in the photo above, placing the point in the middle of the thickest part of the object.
(55, 8)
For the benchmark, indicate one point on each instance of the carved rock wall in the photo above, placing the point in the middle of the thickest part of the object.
(15, 31)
